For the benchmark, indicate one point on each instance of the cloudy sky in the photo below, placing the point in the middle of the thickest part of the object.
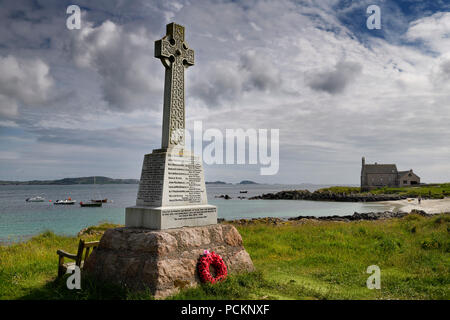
(89, 101)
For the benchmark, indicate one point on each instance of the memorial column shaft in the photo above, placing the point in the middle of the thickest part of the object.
(174, 106)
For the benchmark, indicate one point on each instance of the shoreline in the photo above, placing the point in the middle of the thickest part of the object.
(369, 216)
(430, 206)
(391, 209)
(325, 195)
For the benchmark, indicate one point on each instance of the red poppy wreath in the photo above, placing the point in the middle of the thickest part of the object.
(211, 259)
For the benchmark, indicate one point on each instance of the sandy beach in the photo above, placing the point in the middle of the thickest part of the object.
(429, 206)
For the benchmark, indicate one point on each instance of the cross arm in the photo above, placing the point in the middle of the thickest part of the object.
(163, 48)
(189, 56)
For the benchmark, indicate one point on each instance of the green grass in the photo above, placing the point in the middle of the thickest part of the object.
(438, 191)
(330, 259)
(312, 260)
(433, 191)
(345, 190)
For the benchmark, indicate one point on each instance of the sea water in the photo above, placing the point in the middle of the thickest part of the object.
(20, 219)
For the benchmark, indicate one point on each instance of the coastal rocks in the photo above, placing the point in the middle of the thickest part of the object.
(268, 220)
(419, 212)
(362, 216)
(285, 195)
(301, 219)
(327, 196)
(164, 260)
(224, 196)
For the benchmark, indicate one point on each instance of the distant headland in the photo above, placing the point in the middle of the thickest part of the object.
(216, 182)
(222, 182)
(247, 182)
(70, 181)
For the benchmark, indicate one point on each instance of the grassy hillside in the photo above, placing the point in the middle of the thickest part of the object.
(433, 191)
(294, 260)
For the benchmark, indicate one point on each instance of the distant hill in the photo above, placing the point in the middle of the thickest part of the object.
(215, 182)
(69, 181)
(247, 182)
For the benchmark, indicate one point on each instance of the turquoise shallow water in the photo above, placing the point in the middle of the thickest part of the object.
(20, 219)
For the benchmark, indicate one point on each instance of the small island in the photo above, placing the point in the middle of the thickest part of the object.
(355, 194)
(216, 182)
(247, 182)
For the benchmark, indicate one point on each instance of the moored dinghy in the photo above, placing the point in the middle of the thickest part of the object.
(35, 199)
(99, 200)
(68, 201)
(90, 204)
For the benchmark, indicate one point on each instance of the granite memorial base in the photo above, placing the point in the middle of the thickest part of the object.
(164, 261)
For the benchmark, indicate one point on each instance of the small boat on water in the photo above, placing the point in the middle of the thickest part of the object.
(243, 191)
(90, 204)
(99, 200)
(94, 202)
(35, 199)
(64, 202)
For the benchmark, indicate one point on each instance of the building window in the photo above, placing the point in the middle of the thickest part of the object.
(405, 181)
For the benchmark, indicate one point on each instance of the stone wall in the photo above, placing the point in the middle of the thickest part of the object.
(409, 179)
(381, 180)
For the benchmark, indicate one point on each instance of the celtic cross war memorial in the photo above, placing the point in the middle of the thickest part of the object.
(172, 189)
(172, 224)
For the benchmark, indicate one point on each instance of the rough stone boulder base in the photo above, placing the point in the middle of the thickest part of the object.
(164, 260)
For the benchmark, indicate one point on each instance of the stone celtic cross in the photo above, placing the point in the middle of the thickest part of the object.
(175, 56)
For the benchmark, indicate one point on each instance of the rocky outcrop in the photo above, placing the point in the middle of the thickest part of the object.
(327, 196)
(266, 220)
(363, 216)
(164, 260)
(355, 217)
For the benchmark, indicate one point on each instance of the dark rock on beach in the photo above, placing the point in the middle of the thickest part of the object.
(224, 196)
(358, 216)
(268, 220)
(355, 217)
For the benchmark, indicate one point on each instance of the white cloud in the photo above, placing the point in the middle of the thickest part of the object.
(259, 64)
(25, 81)
(8, 107)
(8, 124)
(337, 80)
(123, 60)
(434, 31)
(259, 71)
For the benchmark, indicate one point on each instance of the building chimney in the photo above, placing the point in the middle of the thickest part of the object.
(363, 161)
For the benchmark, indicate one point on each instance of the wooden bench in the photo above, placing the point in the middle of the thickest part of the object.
(62, 267)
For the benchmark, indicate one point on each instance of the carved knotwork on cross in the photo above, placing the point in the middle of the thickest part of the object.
(175, 55)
